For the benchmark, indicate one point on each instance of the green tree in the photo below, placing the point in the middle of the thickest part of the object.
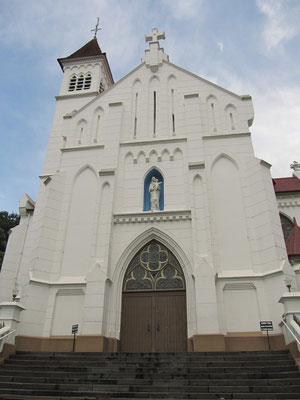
(7, 221)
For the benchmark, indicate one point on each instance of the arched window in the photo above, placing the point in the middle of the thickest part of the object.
(72, 83)
(287, 225)
(87, 81)
(154, 268)
(80, 81)
(157, 192)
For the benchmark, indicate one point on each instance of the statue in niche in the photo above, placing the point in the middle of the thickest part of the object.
(154, 190)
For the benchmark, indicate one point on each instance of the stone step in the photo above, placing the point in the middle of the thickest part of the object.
(158, 357)
(146, 365)
(172, 375)
(158, 382)
(144, 395)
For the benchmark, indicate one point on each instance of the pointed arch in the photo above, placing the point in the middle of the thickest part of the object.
(225, 155)
(211, 98)
(141, 157)
(165, 155)
(231, 118)
(153, 173)
(97, 123)
(128, 158)
(141, 240)
(81, 130)
(177, 153)
(81, 169)
(153, 156)
(81, 223)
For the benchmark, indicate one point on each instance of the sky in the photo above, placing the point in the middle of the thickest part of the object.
(246, 46)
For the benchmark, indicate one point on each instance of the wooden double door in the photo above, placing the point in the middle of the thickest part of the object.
(154, 321)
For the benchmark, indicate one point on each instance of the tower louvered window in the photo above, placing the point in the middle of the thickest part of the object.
(81, 82)
(87, 81)
(72, 84)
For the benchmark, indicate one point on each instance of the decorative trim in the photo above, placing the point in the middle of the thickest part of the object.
(106, 172)
(79, 281)
(190, 96)
(248, 274)
(69, 292)
(79, 148)
(75, 95)
(116, 104)
(239, 286)
(156, 216)
(197, 165)
(290, 203)
(45, 176)
(155, 141)
(265, 164)
(229, 135)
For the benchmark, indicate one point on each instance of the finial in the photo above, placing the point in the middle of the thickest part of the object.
(295, 166)
(155, 36)
(96, 29)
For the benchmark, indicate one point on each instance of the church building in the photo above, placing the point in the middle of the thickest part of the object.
(156, 229)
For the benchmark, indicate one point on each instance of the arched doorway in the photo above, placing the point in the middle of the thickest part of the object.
(154, 302)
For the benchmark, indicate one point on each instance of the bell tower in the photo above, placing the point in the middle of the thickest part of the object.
(86, 72)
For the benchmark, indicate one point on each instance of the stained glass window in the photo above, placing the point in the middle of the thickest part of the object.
(153, 268)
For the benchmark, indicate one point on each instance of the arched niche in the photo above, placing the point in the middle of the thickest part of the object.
(153, 173)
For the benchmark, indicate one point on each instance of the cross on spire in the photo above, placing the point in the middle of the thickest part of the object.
(96, 28)
(155, 36)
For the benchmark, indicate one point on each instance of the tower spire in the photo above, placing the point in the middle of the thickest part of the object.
(96, 28)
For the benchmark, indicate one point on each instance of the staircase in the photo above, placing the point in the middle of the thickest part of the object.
(239, 375)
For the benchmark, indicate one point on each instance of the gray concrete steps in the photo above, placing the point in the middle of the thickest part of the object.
(242, 375)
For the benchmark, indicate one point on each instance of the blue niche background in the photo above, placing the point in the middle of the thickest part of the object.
(154, 172)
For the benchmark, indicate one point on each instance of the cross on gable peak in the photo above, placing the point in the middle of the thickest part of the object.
(155, 36)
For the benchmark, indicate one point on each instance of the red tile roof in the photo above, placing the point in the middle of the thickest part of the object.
(293, 241)
(286, 184)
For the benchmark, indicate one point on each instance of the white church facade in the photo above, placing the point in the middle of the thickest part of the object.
(155, 227)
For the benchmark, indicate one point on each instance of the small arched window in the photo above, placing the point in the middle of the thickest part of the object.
(80, 81)
(153, 199)
(72, 84)
(87, 81)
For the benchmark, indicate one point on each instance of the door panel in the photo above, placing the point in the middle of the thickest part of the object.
(154, 321)
(136, 329)
(170, 322)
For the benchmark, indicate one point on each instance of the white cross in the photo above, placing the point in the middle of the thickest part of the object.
(155, 36)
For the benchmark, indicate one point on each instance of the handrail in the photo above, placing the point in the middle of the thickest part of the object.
(4, 337)
(291, 332)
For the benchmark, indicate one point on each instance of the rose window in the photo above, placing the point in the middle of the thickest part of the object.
(154, 267)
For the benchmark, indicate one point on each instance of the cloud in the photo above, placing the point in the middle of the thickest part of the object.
(184, 10)
(221, 46)
(276, 132)
(281, 22)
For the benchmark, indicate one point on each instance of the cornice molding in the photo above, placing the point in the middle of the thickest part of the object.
(153, 141)
(79, 148)
(227, 136)
(156, 216)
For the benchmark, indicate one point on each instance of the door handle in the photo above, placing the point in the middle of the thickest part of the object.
(157, 328)
(148, 328)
